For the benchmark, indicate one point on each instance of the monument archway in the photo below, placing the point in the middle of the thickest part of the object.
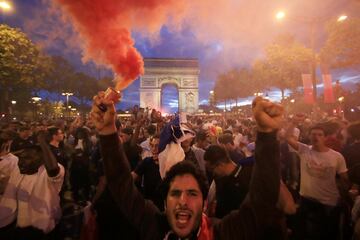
(169, 98)
(183, 73)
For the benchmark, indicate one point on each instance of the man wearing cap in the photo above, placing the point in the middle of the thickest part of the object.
(22, 140)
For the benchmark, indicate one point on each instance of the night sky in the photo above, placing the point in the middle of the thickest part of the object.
(221, 34)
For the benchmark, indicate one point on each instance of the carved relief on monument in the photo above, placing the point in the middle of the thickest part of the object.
(189, 82)
(189, 100)
(168, 79)
(148, 82)
(149, 99)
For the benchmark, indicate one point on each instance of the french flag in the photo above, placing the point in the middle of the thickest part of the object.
(170, 150)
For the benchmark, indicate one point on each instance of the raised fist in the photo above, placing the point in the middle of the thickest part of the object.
(268, 115)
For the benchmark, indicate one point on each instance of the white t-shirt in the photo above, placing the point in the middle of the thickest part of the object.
(32, 199)
(318, 171)
(238, 138)
(146, 150)
(7, 164)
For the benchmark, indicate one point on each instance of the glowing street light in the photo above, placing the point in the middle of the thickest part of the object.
(36, 99)
(342, 18)
(5, 6)
(341, 99)
(292, 100)
(211, 98)
(280, 15)
(67, 94)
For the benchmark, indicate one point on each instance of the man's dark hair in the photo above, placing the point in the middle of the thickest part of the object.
(180, 169)
(117, 124)
(24, 128)
(215, 154)
(331, 127)
(35, 147)
(226, 138)
(201, 136)
(157, 136)
(318, 126)
(8, 135)
(2, 142)
(227, 131)
(151, 129)
(53, 131)
(354, 130)
(128, 130)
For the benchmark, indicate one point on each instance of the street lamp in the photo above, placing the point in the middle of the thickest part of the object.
(342, 18)
(67, 94)
(35, 99)
(211, 98)
(11, 108)
(280, 15)
(5, 6)
(341, 111)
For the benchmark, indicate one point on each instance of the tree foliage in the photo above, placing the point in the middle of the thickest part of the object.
(64, 78)
(60, 78)
(234, 84)
(21, 64)
(342, 48)
(285, 60)
(25, 70)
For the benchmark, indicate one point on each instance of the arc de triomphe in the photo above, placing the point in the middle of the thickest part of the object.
(183, 73)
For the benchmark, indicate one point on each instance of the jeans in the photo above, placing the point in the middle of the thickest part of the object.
(316, 221)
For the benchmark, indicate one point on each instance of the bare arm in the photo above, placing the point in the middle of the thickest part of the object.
(345, 181)
(286, 202)
(290, 138)
(135, 137)
(99, 188)
(50, 162)
(134, 176)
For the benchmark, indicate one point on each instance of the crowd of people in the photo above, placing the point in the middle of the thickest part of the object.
(265, 176)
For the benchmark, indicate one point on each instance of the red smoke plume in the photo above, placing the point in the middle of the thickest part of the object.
(105, 26)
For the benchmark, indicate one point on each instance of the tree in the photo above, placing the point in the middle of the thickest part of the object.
(220, 89)
(342, 47)
(105, 82)
(244, 84)
(84, 87)
(61, 76)
(261, 76)
(284, 62)
(21, 64)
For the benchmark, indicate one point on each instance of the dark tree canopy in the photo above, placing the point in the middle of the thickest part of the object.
(342, 48)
